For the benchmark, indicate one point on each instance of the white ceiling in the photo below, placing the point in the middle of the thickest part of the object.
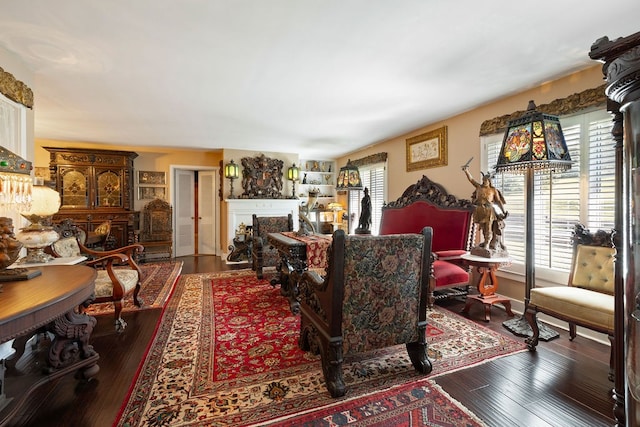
(317, 77)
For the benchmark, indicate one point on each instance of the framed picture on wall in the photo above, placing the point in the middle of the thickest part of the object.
(151, 178)
(427, 150)
(151, 192)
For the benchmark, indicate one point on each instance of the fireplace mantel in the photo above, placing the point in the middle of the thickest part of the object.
(242, 210)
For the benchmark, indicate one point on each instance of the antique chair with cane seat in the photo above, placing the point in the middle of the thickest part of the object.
(588, 299)
(263, 254)
(118, 275)
(373, 296)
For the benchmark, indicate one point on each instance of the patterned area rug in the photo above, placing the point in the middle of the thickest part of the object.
(158, 279)
(226, 354)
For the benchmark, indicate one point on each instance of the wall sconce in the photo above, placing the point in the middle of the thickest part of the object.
(38, 235)
(293, 174)
(349, 177)
(231, 172)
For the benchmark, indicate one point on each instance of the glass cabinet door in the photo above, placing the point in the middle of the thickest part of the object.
(74, 188)
(108, 190)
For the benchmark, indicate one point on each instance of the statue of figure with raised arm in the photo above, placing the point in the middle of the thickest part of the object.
(489, 214)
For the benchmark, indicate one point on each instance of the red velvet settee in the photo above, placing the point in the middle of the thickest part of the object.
(427, 204)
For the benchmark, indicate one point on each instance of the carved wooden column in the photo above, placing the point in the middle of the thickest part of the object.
(621, 68)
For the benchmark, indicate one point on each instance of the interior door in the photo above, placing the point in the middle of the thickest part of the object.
(207, 184)
(184, 211)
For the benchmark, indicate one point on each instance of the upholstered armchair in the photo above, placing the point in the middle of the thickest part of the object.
(263, 254)
(588, 298)
(118, 275)
(374, 295)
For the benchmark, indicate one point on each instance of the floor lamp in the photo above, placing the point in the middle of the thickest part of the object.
(533, 142)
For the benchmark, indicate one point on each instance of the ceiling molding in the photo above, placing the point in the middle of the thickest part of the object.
(560, 107)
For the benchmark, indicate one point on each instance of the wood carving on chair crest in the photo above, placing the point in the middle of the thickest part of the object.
(425, 189)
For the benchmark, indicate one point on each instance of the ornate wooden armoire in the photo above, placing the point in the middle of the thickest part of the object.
(95, 186)
(621, 68)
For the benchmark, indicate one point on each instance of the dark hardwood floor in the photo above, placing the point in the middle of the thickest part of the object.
(563, 383)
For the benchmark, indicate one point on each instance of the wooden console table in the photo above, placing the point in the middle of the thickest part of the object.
(293, 262)
(487, 285)
(47, 303)
(297, 253)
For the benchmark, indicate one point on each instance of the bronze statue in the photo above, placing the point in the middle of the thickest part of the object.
(489, 214)
(365, 214)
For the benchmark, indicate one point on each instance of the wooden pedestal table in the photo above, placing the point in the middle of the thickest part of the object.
(48, 305)
(487, 285)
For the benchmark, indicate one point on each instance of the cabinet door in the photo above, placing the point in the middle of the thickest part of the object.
(109, 188)
(74, 187)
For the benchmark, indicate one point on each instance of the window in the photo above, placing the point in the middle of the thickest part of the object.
(585, 193)
(374, 177)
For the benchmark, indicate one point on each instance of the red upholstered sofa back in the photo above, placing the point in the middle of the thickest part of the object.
(427, 204)
(451, 227)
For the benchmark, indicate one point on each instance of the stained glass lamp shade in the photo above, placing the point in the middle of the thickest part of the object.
(533, 142)
(349, 177)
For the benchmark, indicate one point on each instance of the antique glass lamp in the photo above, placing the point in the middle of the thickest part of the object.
(534, 142)
(231, 172)
(37, 236)
(293, 174)
(349, 177)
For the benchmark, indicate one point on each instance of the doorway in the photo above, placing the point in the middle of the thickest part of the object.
(195, 199)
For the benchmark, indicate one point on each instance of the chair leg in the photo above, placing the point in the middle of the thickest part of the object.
(137, 301)
(119, 323)
(572, 331)
(532, 341)
(331, 357)
(418, 355)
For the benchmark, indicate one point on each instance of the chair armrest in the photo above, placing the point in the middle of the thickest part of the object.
(312, 292)
(128, 250)
(106, 262)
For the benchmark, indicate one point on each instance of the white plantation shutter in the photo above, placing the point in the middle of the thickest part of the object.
(585, 193)
(373, 178)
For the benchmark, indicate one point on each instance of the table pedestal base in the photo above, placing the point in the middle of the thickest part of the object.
(487, 301)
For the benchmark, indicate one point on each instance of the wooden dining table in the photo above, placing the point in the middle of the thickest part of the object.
(50, 303)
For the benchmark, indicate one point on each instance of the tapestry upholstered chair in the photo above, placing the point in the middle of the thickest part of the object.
(263, 254)
(588, 299)
(373, 296)
(118, 275)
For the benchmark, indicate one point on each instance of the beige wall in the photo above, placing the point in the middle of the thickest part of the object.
(464, 142)
(149, 158)
(463, 135)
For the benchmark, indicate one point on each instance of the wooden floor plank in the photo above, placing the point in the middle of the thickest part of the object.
(561, 384)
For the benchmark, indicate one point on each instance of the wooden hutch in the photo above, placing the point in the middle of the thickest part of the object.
(96, 186)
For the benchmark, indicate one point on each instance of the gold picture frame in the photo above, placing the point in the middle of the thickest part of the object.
(427, 150)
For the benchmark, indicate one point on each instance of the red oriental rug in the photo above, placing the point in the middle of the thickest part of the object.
(158, 279)
(226, 354)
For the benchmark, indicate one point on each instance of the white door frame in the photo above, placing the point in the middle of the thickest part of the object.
(172, 169)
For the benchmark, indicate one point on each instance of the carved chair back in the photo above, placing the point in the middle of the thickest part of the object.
(157, 217)
(263, 254)
(374, 295)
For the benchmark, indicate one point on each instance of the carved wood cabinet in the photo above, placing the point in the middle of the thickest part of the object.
(621, 68)
(95, 186)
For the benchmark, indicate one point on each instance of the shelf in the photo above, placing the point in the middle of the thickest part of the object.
(317, 175)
